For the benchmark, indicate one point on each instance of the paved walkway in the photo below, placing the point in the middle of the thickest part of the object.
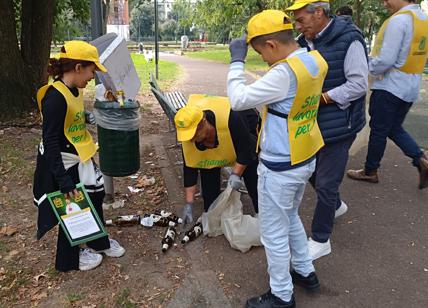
(379, 248)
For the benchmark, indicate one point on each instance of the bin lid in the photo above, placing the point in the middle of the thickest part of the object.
(121, 73)
(128, 104)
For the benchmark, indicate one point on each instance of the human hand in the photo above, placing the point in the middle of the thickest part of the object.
(238, 49)
(187, 216)
(90, 118)
(234, 181)
(72, 194)
(325, 99)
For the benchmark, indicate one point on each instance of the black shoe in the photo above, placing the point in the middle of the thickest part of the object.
(269, 300)
(423, 172)
(310, 283)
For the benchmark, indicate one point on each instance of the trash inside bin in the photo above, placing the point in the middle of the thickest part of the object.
(118, 137)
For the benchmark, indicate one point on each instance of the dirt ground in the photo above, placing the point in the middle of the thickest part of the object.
(144, 277)
(379, 256)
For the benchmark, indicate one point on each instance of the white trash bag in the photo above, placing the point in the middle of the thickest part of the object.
(225, 217)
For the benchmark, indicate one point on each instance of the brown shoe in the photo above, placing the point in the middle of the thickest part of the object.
(423, 172)
(360, 175)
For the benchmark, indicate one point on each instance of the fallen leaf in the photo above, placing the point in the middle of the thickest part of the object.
(11, 254)
(7, 230)
(39, 296)
(37, 277)
(145, 181)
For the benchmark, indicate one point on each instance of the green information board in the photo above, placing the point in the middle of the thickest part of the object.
(77, 216)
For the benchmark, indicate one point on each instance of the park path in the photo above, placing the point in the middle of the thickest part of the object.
(379, 248)
(201, 76)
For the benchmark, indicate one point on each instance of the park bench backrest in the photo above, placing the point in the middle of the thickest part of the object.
(170, 102)
(154, 83)
(177, 99)
(169, 110)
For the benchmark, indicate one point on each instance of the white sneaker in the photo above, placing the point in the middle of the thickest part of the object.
(89, 260)
(343, 208)
(115, 250)
(115, 205)
(317, 249)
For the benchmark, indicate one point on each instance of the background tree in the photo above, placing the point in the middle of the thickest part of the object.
(142, 20)
(168, 29)
(183, 12)
(26, 35)
(72, 19)
(368, 15)
(225, 19)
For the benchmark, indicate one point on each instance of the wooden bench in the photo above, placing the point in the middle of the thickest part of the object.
(166, 106)
(177, 99)
(170, 102)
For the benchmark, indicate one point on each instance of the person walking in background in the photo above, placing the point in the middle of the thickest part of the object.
(397, 62)
(341, 114)
(289, 94)
(344, 11)
(65, 154)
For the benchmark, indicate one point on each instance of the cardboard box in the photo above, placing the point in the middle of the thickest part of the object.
(121, 74)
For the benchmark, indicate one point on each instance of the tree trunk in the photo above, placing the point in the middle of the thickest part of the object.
(36, 45)
(358, 6)
(15, 88)
(22, 69)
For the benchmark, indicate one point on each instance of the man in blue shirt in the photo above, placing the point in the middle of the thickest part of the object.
(397, 65)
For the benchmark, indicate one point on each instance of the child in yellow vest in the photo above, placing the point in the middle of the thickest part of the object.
(66, 150)
(289, 95)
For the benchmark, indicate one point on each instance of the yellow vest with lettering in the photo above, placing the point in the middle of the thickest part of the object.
(224, 154)
(418, 51)
(303, 132)
(74, 123)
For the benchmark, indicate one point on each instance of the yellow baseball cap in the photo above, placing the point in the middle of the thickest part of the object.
(186, 121)
(79, 50)
(298, 4)
(267, 22)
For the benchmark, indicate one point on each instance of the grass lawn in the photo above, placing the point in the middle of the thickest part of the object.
(168, 73)
(221, 54)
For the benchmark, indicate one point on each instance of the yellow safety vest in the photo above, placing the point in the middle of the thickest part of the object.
(418, 52)
(303, 132)
(224, 154)
(74, 124)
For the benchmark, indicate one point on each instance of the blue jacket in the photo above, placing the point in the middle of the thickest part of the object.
(337, 124)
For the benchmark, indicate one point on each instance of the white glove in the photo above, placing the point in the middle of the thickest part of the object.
(90, 118)
(234, 181)
(187, 213)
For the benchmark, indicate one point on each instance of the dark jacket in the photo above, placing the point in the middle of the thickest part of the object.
(337, 124)
(50, 174)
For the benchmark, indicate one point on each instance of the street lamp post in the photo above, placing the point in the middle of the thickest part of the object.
(156, 39)
(96, 19)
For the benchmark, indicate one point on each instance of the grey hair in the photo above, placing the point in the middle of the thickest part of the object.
(311, 7)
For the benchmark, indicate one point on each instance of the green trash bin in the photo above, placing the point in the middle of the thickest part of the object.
(118, 137)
